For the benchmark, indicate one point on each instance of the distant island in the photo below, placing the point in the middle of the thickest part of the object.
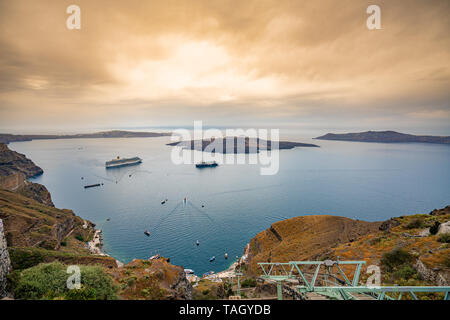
(7, 138)
(251, 145)
(384, 136)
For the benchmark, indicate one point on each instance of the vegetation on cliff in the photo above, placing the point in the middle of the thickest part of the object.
(49, 281)
(156, 279)
(29, 223)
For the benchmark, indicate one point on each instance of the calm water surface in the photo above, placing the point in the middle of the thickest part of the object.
(369, 181)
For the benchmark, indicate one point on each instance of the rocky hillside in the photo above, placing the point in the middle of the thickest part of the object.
(29, 223)
(15, 169)
(305, 238)
(410, 250)
(154, 279)
(11, 162)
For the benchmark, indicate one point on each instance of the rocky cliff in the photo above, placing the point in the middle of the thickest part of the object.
(11, 162)
(5, 263)
(29, 223)
(15, 168)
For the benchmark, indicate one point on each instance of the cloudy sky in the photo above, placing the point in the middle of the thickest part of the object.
(297, 63)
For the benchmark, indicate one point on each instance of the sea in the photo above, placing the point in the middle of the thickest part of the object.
(228, 205)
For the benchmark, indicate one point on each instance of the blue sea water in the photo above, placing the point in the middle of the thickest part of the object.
(367, 181)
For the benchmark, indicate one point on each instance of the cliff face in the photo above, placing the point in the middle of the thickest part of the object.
(12, 162)
(15, 168)
(5, 263)
(29, 223)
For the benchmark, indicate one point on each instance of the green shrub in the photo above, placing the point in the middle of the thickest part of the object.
(49, 281)
(81, 294)
(79, 237)
(228, 287)
(445, 238)
(416, 223)
(25, 258)
(405, 272)
(396, 258)
(249, 283)
(434, 229)
(64, 243)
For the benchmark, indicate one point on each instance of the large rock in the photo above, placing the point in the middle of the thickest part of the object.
(444, 228)
(427, 274)
(440, 212)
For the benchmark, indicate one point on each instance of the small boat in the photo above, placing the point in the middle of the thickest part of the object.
(208, 273)
(203, 205)
(226, 255)
(197, 243)
(156, 256)
(147, 233)
(92, 185)
(212, 259)
(188, 271)
(204, 164)
(164, 201)
(108, 219)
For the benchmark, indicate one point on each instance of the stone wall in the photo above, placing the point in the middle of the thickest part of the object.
(5, 263)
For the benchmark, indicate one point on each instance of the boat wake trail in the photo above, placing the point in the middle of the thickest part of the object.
(165, 217)
(201, 211)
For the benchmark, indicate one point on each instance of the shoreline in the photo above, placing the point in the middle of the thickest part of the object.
(231, 270)
(96, 244)
(95, 247)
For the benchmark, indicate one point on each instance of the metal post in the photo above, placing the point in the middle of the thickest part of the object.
(356, 275)
(238, 285)
(279, 290)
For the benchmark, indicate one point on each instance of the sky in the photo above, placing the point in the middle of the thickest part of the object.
(253, 63)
